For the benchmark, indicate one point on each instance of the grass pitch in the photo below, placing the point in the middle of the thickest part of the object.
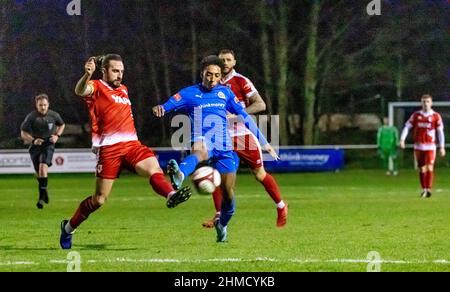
(335, 220)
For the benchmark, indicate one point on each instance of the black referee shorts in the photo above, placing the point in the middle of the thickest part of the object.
(41, 154)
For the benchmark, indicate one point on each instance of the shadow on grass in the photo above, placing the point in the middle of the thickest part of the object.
(99, 247)
(75, 247)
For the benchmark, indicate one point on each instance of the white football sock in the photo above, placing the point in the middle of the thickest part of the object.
(281, 204)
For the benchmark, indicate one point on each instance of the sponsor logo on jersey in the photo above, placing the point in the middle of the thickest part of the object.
(221, 95)
(236, 100)
(424, 125)
(122, 100)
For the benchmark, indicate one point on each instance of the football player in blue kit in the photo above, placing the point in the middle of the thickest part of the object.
(207, 104)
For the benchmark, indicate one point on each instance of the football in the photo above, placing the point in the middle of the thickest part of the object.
(206, 179)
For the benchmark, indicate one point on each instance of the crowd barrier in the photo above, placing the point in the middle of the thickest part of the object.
(293, 159)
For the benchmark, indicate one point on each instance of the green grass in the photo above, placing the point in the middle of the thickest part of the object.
(335, 220)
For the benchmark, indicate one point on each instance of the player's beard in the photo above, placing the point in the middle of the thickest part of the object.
(114, 83)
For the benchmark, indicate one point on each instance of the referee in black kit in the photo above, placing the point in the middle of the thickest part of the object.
(41, 129)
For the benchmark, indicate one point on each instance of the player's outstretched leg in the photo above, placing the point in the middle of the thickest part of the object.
(65, 239)
(273, 190)
(176, 176)
(178, 197)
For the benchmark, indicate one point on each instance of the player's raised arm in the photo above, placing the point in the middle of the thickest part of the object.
(83, 88)
(175, 102)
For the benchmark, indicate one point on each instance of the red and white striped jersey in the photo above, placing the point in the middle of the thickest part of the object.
(111, 115)
(243, 88)
(425, 125)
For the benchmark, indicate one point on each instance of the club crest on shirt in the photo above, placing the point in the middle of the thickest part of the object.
(50, 126)
(177, 97)
(221, 95)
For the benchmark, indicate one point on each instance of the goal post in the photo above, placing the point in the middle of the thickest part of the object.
(399, 112)
(415, 105)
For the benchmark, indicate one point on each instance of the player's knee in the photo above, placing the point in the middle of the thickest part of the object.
(201, 155)
(259, 173)
(100, 199)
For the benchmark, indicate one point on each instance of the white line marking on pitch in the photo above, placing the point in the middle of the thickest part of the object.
(223, 260)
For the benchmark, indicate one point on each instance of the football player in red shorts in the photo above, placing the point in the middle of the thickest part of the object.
(425, 123)
(245, 143)
(115, 139)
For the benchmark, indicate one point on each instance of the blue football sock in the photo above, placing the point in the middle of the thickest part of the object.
(187, 166)
(227, 211)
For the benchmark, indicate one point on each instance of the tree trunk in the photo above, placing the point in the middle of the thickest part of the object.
(399, 77)
(310, 81)
(281, 51)
(265, 54)
(3, 16)
(152, 67)
(194, 48)
(165, 57)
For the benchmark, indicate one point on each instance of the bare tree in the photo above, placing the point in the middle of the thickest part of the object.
(281, 54)
(265, 55)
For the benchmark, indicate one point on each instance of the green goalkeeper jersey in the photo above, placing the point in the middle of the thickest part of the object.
(387, 137)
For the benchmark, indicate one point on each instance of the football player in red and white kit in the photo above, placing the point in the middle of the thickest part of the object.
(246, 145)
(425, 123)
(114, 135)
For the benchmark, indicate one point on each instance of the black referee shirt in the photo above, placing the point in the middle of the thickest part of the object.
(42, 126)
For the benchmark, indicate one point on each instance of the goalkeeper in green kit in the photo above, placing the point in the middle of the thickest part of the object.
(387, 143)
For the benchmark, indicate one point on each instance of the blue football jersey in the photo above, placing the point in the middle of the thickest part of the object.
(207, 110)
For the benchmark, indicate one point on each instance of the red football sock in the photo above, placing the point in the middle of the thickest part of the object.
(422, 176)
(217, 198)
(429, 180)
(272, 188)
(84, 210)
(160, 185)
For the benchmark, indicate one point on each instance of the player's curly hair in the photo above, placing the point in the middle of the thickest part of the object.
(212, 60)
